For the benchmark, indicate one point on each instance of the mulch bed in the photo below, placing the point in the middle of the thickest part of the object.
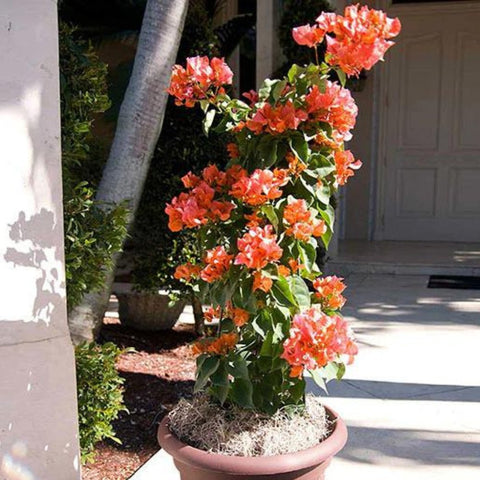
(156, 376)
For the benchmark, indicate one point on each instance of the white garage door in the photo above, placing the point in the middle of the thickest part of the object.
(431, 173)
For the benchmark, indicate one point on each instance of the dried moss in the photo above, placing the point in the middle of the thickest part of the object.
(233, 431)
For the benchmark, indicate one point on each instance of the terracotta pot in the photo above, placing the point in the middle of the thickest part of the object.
(310, 464)
(149, 312)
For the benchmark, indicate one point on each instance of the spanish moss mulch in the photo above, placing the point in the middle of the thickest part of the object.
(157, 375)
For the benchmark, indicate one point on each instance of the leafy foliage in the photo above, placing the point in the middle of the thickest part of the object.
(100, 394)
(93, 232)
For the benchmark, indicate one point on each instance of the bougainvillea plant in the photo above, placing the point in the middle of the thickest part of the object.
(258, 223)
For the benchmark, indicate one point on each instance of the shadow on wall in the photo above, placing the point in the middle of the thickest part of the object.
(35, 248)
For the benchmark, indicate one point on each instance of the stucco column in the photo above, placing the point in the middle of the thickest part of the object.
(38, 411)
(269, 53)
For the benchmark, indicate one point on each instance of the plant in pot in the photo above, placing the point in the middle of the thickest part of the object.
(257, 226)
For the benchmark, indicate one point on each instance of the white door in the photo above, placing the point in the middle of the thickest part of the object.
(431, 171)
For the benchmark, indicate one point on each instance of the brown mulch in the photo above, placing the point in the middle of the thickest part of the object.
(156, 376)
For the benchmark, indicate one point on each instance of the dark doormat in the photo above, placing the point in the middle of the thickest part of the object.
(454, 281)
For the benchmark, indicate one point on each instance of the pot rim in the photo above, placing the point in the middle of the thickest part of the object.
(274, 464)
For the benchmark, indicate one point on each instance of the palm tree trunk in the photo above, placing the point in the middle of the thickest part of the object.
(138, 128)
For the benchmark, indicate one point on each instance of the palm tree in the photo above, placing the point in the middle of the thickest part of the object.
(138, 128)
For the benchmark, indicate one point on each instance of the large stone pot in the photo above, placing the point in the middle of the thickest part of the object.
(147, 311)
(310, 464)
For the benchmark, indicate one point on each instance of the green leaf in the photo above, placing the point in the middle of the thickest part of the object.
(282, 294)
(278, 89)
(267, 346)
(308, 255)
(208, 120)
(318, 379)
(266, 151)
(299, 146)
(341, 76)
(220, 376)
(237, 367)
(294, 72)
(241, 392)
(266, 88)
(271, 214)
(220, 393)
(208, 366)
(300, 291)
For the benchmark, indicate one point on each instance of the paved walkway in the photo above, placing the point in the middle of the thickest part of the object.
(411, 401)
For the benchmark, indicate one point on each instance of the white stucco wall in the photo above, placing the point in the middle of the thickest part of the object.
(38, 418)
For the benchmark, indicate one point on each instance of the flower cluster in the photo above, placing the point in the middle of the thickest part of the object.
(193, 83)
(335, 107)
(260, 187)
(301, 223)
(257, 248)
(328, 291)
(217, 262)
(199, 206)
(357, 40)
(345, 165)
(317, 339)
(239, 316)
(276, 119)
(260, 221)
(216, 346)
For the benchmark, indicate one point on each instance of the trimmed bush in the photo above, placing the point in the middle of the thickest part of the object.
(100, 394)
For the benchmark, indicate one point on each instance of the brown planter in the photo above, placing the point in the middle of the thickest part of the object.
(149, 312)
(310, 464)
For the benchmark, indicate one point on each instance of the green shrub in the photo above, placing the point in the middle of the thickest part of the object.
(92, 232)
(100, 394)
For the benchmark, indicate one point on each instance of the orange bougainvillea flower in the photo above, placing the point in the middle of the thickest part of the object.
(232, 149)
(251, 96)
(217, 262)
(197, 207)
(308, 35)
(316, 340)
(294, 265)
(335, 106)
(312, 35)
(295, 165)
(276, 119)
(234, 174)
(239, 316)
(345, 165)
(187, 272)
(283, 271)
(301, 223)
(329, 292)
(210, 314)
(261, 282)
(253, 220)
(190, 84)
(260, 187)
(216, 346)
(258, 248)
(361, 38)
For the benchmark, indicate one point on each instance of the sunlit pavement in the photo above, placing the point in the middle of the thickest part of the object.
(411, 400)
